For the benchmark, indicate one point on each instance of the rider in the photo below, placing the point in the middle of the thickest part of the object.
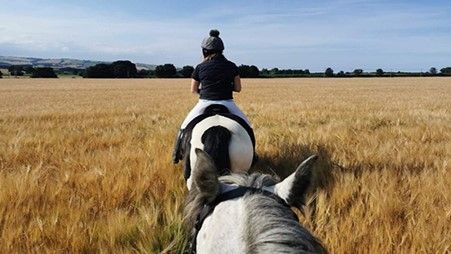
(215, 80)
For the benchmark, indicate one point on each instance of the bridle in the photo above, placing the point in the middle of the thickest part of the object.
(238, 192)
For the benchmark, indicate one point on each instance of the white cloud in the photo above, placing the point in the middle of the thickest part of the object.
(311, 35)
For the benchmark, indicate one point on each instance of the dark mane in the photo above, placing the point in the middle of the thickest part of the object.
(271, 228)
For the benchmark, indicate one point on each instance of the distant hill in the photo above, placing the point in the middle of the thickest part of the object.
(59, 63)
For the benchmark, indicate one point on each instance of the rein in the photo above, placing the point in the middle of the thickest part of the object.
(229, 195)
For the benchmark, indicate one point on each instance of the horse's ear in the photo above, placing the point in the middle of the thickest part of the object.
(205, 176)
(294, 187)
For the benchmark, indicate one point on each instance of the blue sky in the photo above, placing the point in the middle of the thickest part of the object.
(342, 34)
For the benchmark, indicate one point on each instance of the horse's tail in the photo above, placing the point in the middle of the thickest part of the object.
(216, 141)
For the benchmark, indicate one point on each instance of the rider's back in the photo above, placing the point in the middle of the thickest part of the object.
(216, 77)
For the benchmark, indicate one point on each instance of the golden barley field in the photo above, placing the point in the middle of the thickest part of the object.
(85, 164)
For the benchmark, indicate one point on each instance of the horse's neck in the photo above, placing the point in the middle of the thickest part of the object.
(224, 230)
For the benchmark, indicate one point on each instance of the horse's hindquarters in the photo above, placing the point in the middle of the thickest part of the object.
(241, 152)
(241, 148)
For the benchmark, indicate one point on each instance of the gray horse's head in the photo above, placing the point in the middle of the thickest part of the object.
(268, 224)
(208, 183)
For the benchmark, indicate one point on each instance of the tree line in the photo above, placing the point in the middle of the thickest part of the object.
(38, 72)
(329, 72)
(127, 69)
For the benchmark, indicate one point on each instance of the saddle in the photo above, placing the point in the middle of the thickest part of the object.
(218, 109)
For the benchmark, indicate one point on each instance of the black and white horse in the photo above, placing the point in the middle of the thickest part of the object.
(227, 138)
(241, 213)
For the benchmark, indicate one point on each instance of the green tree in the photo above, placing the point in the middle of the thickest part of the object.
(274, 71)
(253, 71)
(44, 72)
(358, 72)
(143, 73)
(187, 71)
(28, 69)
(244, 70)
(117, 69)
(247, 71)
(341, 74)
(433, 71)
(99, 71)
(124, 69)
(379, 72)
(446, 71)
(329, 72)
(165, 71)
(1, 74)
(16, 70)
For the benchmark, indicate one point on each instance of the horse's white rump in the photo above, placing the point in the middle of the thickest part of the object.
(241, 151)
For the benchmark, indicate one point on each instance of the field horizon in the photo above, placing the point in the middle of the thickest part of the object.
(85, 164)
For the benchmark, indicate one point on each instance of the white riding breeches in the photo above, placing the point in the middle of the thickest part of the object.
(202, 104)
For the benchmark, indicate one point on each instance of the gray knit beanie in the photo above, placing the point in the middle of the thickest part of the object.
(213, 43)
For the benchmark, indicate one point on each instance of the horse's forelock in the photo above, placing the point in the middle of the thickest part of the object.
(254, 180)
